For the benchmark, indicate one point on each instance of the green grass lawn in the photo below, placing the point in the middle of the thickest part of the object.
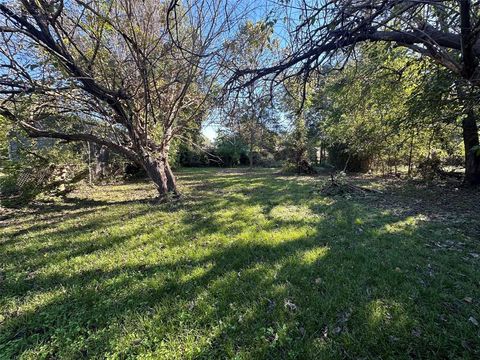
(248, 265)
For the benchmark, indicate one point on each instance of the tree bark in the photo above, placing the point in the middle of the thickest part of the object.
(171, 181)
(159, 171)
(250, 152)
(410, 157)
(471, 144)
(155, 169)
(101, 161)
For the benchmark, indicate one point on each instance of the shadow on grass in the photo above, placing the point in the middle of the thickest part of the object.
(231, 275)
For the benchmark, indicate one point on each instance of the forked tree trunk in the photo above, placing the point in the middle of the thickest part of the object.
(472, 151)
(159, 171)
(158, 168)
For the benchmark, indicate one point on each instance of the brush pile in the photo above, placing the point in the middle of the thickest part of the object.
(341, 186)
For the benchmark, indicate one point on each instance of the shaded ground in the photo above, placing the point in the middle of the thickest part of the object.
(247, 265)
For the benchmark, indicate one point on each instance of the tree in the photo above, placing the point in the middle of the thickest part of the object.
(328, 32)
(387, 108)
(296, 144)
(249, 111)
(122, 74)
(231, 149)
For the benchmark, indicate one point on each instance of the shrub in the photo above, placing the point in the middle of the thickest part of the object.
(17, 188)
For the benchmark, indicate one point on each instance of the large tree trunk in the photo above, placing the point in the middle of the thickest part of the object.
(158, 168)
(155, 169)
(171, 181)
(159, 171)
(101, 161)
(472, 151)
(469, 123)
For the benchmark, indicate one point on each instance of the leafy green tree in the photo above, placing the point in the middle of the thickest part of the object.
(327, 32)
(231, 149)
(388, 109)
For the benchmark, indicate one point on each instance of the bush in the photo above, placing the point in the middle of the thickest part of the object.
(191, 156)
(16, 189)
(342, 158)
(232, 152)
(430, 167)
(302, 168)
(21, 185)
(267, 161)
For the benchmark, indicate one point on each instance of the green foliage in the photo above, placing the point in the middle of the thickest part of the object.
(13, 195)
(232, 150)
(190, 155)
(19, 183)
(430, 167)
(296, 149)
(5, 127)
(389, 108)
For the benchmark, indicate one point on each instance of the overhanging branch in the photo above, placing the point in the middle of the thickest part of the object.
(39, 133)
(427, 36)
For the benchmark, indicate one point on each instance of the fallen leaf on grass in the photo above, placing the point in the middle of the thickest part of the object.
(324, 332)
(473, 320)
(290, 305)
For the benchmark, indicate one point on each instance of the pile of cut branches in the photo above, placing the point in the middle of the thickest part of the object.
(339, 185)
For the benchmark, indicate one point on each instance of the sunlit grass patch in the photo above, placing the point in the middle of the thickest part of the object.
(293, 213)
(247, 265)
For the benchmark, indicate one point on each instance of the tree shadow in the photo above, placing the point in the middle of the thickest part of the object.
(337, 280)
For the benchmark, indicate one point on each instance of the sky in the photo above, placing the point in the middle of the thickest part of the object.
(210, 131)
(258, 10)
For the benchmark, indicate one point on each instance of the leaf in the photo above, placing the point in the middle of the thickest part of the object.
(473, 320)
(290, 305)
(324, 332)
